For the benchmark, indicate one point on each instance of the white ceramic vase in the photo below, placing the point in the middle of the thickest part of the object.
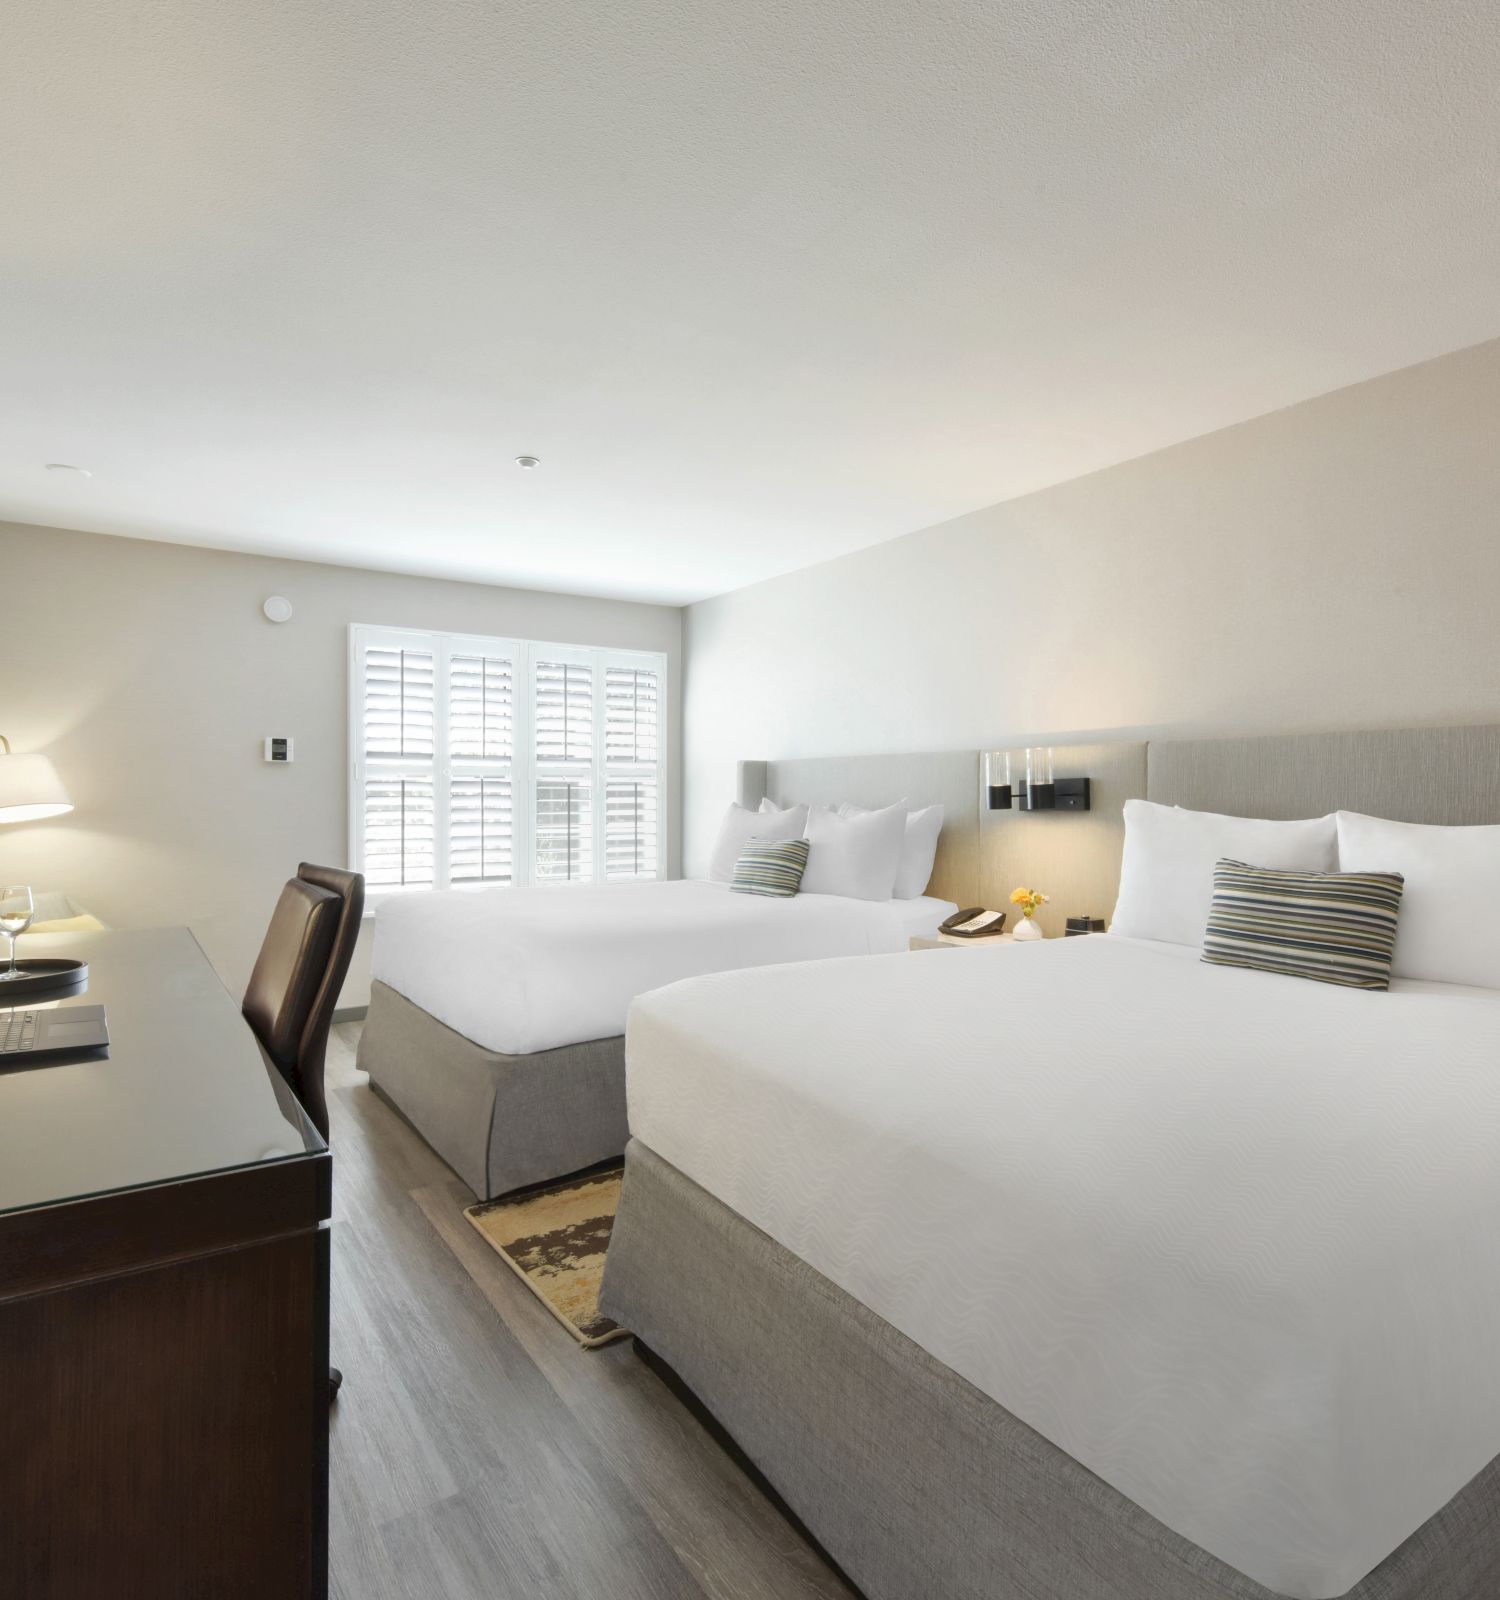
(1026, 928)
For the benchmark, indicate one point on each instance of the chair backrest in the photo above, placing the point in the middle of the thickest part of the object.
(297, 976)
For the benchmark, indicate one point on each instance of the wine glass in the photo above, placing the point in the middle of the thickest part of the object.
(16, 911)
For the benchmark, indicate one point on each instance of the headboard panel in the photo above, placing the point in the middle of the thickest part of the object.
(949, 779)
(1441, 775)
(1438, 775)
(1073, 857)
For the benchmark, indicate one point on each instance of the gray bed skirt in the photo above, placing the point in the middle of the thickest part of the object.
(501, 1122)
(916, 1483)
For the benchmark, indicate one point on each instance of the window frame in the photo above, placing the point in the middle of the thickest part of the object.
(521, 769)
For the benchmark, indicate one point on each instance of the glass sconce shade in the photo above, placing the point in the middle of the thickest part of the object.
(1041, 795)
(997, 784)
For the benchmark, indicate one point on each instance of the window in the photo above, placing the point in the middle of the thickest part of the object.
(497, 761)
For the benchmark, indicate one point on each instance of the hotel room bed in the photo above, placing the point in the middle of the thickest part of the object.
(496, 1017)
(1084, 1271)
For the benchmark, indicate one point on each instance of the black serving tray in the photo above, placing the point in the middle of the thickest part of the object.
(45, 978)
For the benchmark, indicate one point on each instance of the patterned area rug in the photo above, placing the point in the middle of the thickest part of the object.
(555, 1239)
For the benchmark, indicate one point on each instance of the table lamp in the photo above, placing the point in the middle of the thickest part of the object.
(29, 787)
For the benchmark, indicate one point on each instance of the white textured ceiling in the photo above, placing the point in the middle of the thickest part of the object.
(761, 281)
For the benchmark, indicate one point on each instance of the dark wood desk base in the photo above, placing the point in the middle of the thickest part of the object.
(164, 1391)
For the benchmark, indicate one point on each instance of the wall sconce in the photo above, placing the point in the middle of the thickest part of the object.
(997, 784)
(1039, 790)
(29, 787)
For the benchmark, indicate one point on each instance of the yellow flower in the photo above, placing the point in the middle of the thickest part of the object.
(1019, 897)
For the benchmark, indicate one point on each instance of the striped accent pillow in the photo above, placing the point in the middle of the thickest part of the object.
(1334, 927)
(770, 866)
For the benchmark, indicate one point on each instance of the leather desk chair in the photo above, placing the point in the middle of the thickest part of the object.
(298, 975)
(296, 982)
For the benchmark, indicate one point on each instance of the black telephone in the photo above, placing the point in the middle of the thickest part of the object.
(975, 923)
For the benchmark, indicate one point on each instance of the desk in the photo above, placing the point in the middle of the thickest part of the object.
(163, 1301)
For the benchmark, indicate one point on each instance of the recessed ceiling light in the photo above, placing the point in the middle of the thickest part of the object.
(528, 462)
(67, 466)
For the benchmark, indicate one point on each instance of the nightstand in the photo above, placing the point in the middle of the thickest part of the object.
(945, 941)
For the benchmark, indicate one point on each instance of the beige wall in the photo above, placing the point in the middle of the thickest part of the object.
(150, 676)
(1333, 564)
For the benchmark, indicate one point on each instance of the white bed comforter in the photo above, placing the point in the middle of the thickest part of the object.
(518, 970)
(1231, 1240)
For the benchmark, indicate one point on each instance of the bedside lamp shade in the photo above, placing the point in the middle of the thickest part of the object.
(29, 787)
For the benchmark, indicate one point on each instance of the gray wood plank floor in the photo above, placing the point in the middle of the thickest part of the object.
(476, 1450)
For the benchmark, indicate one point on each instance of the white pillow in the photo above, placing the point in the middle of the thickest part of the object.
(1167, 876)
(740, 825)
(1446, 931)
(918, 852)
(854, 856)
(768, 807)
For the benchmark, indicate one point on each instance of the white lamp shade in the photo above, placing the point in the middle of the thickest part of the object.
(30, 788)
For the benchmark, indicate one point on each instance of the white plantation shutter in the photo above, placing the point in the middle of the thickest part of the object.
(630, 828)
(632, 715)
(399, 703)
(563, 742)
(564, 712)
(481, 745)
(479, 762)
(481, 712)
(400, 833)
(481, 840)
(564, 831)
(398, 720)
(632, 745)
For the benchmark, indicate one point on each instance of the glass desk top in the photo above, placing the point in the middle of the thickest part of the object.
(185, 1089)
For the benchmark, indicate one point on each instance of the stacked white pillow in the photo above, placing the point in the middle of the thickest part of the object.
(1447, 931)
(854, 856)
(741, 825)
(918, 851)
(1167, 874)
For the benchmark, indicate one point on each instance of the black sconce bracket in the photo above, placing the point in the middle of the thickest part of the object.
(1065, 794)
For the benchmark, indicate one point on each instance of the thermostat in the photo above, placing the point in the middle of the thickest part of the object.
(278, 749)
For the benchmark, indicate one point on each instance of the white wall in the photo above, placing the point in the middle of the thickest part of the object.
(150, 676)
(1333, 564)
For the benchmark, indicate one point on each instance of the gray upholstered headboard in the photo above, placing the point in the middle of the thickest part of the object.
(982, 854)
(950, 779)
(1442, 775)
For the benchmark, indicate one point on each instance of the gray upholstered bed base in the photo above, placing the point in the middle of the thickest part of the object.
(501, 1122)
(918, 1485)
